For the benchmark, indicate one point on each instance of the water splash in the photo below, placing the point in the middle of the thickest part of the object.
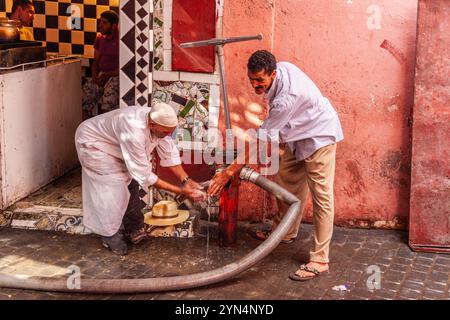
(208, 211)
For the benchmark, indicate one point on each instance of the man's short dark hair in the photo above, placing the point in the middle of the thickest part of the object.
(262, 60)
(21, 3)
(111, 16)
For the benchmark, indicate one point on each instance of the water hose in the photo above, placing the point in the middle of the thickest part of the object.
(161, 284)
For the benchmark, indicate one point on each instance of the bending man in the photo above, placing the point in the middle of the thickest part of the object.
(114, 150)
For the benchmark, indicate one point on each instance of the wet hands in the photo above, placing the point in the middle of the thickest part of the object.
(194, 191)
(218, 182)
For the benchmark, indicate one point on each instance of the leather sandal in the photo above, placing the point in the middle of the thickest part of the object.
(264, 234)
(296, 277)
(137, 236)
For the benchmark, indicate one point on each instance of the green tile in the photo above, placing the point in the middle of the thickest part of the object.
(187, 108)
(158, 65)
(158, 22)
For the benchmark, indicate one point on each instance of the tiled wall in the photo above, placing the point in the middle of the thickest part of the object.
(5, 6)
(75, 36)
(136, 52)
(146, 74)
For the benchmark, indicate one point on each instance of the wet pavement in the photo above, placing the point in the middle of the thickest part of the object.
(356, 257)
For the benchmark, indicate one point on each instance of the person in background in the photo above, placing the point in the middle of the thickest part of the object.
(23, 11)
(103, 89)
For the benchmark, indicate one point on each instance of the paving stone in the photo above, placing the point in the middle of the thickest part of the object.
(420, 268)
(441, 268)
(390, 245)
(403, 261)
(367, 252)
(362, 293)
(388, 254)
(393, 275)
(335, 295)
(437, 286)
(389, 285)
(439, 276)
(353, 276)
(413, 285)
(399, 267)
(381, 298)
(429, 255)
(385, 292)
(381, 260)
(356, 239)
(443, 259)
(7, 250)
(409, 293)
(406, 253)
(382, 267)
(416, 276)
(433, 294)
(405, 298)
(405, 275)
(351, 247)
(373, 245)
(421, 260)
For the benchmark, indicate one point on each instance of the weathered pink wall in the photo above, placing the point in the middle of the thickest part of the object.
(430, 187)
(367, 73)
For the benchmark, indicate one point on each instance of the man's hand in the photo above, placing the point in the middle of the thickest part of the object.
(218, 182)
(193, 193)
(194, 185)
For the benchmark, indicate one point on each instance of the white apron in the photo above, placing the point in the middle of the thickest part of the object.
(105, 191)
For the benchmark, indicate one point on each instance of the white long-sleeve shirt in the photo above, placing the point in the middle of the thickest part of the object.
(306, 120)
(124, 134)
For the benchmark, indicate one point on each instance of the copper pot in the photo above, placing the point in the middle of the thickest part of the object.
(9, 31)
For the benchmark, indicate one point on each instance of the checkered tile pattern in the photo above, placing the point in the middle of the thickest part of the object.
(5, 7)
(67, 26)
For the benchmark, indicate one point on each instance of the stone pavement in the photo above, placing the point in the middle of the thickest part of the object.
(356, 255)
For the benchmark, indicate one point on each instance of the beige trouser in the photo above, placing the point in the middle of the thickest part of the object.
(315, 173)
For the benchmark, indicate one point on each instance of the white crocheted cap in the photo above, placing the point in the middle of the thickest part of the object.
(164, 115)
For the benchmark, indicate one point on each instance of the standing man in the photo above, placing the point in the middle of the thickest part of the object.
(103, 88)
(115, 150)
(310, 128)
(23, 11)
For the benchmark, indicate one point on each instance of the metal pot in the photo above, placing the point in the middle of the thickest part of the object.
(9, 31)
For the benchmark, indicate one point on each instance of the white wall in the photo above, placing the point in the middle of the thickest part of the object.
(40, 111)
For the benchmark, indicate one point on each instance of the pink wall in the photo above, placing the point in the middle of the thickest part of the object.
(430, 188)
(367, 73)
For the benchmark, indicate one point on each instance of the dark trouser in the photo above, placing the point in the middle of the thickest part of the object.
(133, 219)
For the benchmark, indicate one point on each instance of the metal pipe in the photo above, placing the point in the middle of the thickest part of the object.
(177, 282)
(223, 79)
(219, 41)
